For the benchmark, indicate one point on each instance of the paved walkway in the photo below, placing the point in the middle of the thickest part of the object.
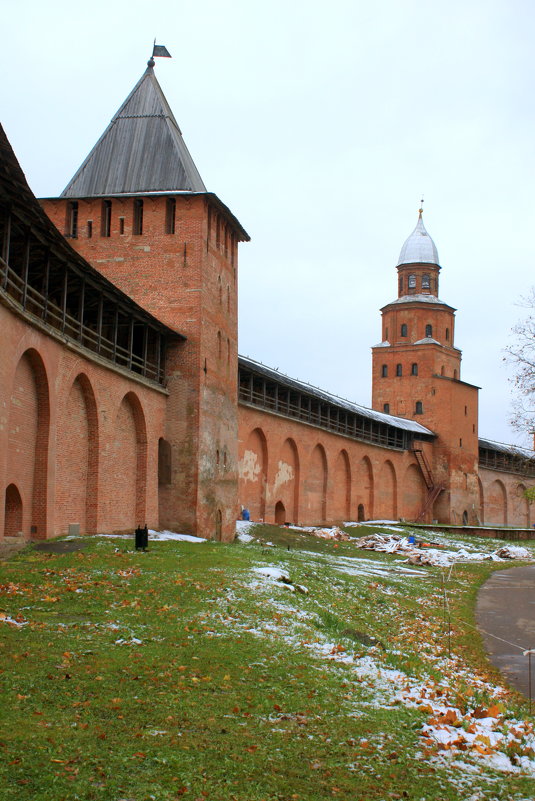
(506, 610)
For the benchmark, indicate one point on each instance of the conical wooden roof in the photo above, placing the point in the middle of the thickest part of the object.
(141, 150)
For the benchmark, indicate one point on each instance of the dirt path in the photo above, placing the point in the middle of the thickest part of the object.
(506, 609)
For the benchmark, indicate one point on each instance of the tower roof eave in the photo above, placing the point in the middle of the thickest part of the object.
(430, 300)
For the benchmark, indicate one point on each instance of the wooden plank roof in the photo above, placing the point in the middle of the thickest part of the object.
(141, 150)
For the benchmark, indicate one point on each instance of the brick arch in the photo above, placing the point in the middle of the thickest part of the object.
(13, 511)
(386, 502)
(127, 466)
(496, 504)
(341, 489)
(253, 474)
(28, 440)
(364, 489)
(316, 486)
(519, 506)
(285, 491)
(77, 462)
(413, 492)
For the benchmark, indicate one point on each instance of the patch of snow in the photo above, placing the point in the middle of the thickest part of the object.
(131, 641)
(162, 536)
(271, 572)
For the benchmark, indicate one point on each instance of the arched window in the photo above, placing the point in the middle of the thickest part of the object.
(414, 369)
(426, 281)
(429, 330)
(419, 408)
(384, 371)
(412, 281)
(386, 408)
(404, 329)
(399, 369)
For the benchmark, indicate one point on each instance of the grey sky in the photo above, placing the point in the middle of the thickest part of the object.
(320, 125)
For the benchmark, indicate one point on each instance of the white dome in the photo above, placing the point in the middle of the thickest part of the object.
(419, 247)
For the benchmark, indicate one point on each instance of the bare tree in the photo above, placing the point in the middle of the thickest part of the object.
(521, 354)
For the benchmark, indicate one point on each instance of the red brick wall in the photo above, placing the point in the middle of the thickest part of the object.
(502, 499)
(188, 280)
(51, 447)
(302, 460)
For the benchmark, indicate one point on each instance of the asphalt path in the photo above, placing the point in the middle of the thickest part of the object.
(505, 614)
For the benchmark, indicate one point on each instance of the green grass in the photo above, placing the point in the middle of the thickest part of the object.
(182, 673)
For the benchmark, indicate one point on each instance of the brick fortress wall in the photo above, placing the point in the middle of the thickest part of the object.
(78, 438)
(181, 265)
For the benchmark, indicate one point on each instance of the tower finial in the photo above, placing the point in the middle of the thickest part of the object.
(421, 209)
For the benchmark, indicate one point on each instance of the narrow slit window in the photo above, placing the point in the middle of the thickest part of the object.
(138, 217)
(72, 219)
(399, 370)
(89, 229)
(414, 368)
(404, 329)
(386, 408)
(447, 334)
(419, 408)
(384, 371)
(170, 215)
(121, 225)
(105, 226)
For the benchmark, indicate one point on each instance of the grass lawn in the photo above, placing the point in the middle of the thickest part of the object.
(191, 672)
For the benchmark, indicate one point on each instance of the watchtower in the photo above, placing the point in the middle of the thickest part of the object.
(417, 374)
(138, 210)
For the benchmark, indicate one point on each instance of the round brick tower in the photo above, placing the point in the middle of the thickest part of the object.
(417, 374)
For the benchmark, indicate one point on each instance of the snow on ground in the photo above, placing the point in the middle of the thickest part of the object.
(157, 536)
(482, 739)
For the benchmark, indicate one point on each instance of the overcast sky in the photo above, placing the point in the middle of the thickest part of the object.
(320, 124)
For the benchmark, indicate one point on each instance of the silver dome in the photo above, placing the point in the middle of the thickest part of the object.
(419, 247)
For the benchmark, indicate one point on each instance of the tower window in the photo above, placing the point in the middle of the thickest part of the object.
(399, 370)
(447, 334)
(419, 408)
(386, 408)
(138, 217)
(414, 369)
(426, 281)
(170, 214)
(429, 330)
(384, 371)
(404, 329)
(89, 229)
(121, 225)
(72, 219)
(412, 281)
(105, 222)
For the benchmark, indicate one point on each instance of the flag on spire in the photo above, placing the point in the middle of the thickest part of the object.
(160, 51)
